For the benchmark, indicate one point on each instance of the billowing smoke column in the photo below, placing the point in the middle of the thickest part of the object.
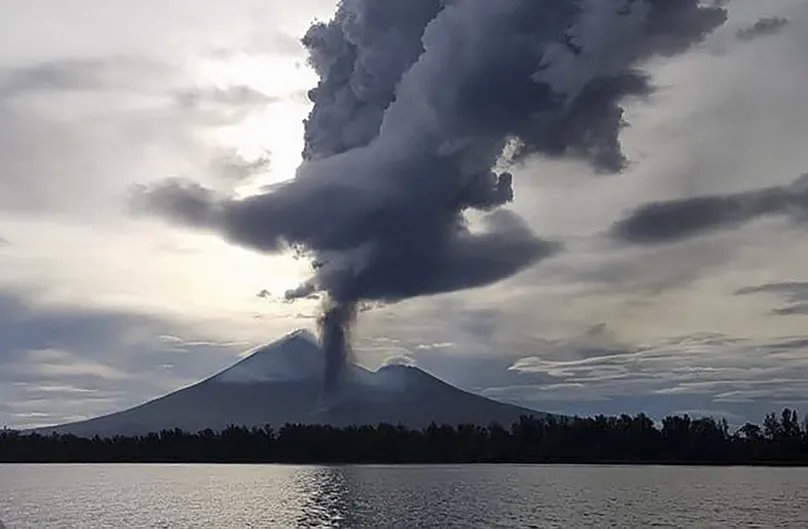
(335, 331)
(416, 104)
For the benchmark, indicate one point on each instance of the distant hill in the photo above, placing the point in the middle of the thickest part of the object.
(281, 383)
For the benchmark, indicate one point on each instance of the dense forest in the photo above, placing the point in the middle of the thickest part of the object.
(681, 439)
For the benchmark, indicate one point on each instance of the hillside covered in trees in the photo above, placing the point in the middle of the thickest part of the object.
(781, 439)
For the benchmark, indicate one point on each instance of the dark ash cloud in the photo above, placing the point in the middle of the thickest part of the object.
(763, 27)
(676, 220)
(416, 103)
(360, 56)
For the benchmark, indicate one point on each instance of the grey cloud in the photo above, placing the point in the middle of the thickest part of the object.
(794, 292)
(79, 74)
(215, 106)
(694, 369)
(639, 275)
(238, 95)
(798, 309)
(62, 151)
(4, 242)
(128, 74)
(415, 105)
(788, 344)
(234, 168)
(58, 75)
(740, 377)
(675, 220)
(59, 364)
(275, 43)
(59, 331)
(763, 27)
(481, 323)
(183, 200)
(73, 360)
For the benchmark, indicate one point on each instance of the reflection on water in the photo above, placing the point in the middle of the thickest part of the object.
(330, 498)
(506, 496)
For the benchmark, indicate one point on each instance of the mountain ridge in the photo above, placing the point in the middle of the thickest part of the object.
(281, 383)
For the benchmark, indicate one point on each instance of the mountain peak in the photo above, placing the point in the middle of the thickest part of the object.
(294, 357)
(300, 334)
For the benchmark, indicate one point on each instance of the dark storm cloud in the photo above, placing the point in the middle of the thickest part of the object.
(675, 220)
(794, 292)
(415, 104)
(762, 28)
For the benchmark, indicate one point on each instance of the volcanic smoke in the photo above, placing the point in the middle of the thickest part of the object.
(417, 102)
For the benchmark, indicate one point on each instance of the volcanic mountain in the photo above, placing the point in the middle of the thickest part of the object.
(282, 383)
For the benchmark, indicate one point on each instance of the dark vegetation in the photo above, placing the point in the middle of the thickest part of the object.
(781, 439)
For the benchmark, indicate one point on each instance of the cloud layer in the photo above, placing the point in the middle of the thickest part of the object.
(674, 220)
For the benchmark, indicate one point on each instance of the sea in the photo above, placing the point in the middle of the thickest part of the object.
(463, 496)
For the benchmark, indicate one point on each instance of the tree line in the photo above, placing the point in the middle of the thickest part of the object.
(678, 439)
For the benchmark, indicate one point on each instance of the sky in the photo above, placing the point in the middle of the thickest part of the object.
(102, 309)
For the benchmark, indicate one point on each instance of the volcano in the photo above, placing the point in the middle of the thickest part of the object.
(282, 383)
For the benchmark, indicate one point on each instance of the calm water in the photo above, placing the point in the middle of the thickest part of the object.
(184, 496)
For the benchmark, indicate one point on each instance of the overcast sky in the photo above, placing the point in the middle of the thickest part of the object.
(101, 310)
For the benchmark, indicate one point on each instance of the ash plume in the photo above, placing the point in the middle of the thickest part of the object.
(418, 100)
(335, 325)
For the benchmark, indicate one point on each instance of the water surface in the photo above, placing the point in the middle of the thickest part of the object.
(223, 496)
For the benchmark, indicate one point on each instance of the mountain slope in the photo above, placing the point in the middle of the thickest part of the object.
(281, 383)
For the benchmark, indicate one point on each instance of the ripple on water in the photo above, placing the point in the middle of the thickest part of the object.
(505, 496)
